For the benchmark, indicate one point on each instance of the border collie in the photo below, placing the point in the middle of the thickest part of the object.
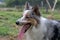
(36, 27)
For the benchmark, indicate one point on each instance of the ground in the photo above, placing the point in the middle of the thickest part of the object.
(8, 29)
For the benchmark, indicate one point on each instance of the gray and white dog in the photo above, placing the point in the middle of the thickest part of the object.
(37, 27)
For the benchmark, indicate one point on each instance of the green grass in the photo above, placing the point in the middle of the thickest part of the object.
(7, 22)
(56, 14)
(8, 19)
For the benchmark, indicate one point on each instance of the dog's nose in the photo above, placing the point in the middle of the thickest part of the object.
(17, 23)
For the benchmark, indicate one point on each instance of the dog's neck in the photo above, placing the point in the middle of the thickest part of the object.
(41, 22)
(36, 33)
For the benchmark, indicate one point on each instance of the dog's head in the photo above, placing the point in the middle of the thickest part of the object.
(30, 17)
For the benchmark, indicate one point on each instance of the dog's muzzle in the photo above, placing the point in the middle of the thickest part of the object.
(17, 23)
(20, 23)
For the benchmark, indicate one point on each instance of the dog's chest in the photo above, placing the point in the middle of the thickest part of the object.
(36, 33)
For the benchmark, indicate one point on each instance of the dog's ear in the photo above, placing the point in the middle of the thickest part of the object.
(27, 6)
(36, 10)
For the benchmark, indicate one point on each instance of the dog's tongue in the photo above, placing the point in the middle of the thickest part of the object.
(23, 30)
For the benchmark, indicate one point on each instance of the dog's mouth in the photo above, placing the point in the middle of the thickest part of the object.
(24, 29)
(26, 26)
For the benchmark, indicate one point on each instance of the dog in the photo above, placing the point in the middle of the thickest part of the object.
(36, 27)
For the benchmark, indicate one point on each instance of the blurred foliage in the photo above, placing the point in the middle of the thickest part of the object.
(12, 3)
(7, 22)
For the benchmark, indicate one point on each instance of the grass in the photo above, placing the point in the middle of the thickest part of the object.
(56, 14)
(8, 19)
(7, 22)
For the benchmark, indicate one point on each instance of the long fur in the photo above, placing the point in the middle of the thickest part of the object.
(45, 30)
